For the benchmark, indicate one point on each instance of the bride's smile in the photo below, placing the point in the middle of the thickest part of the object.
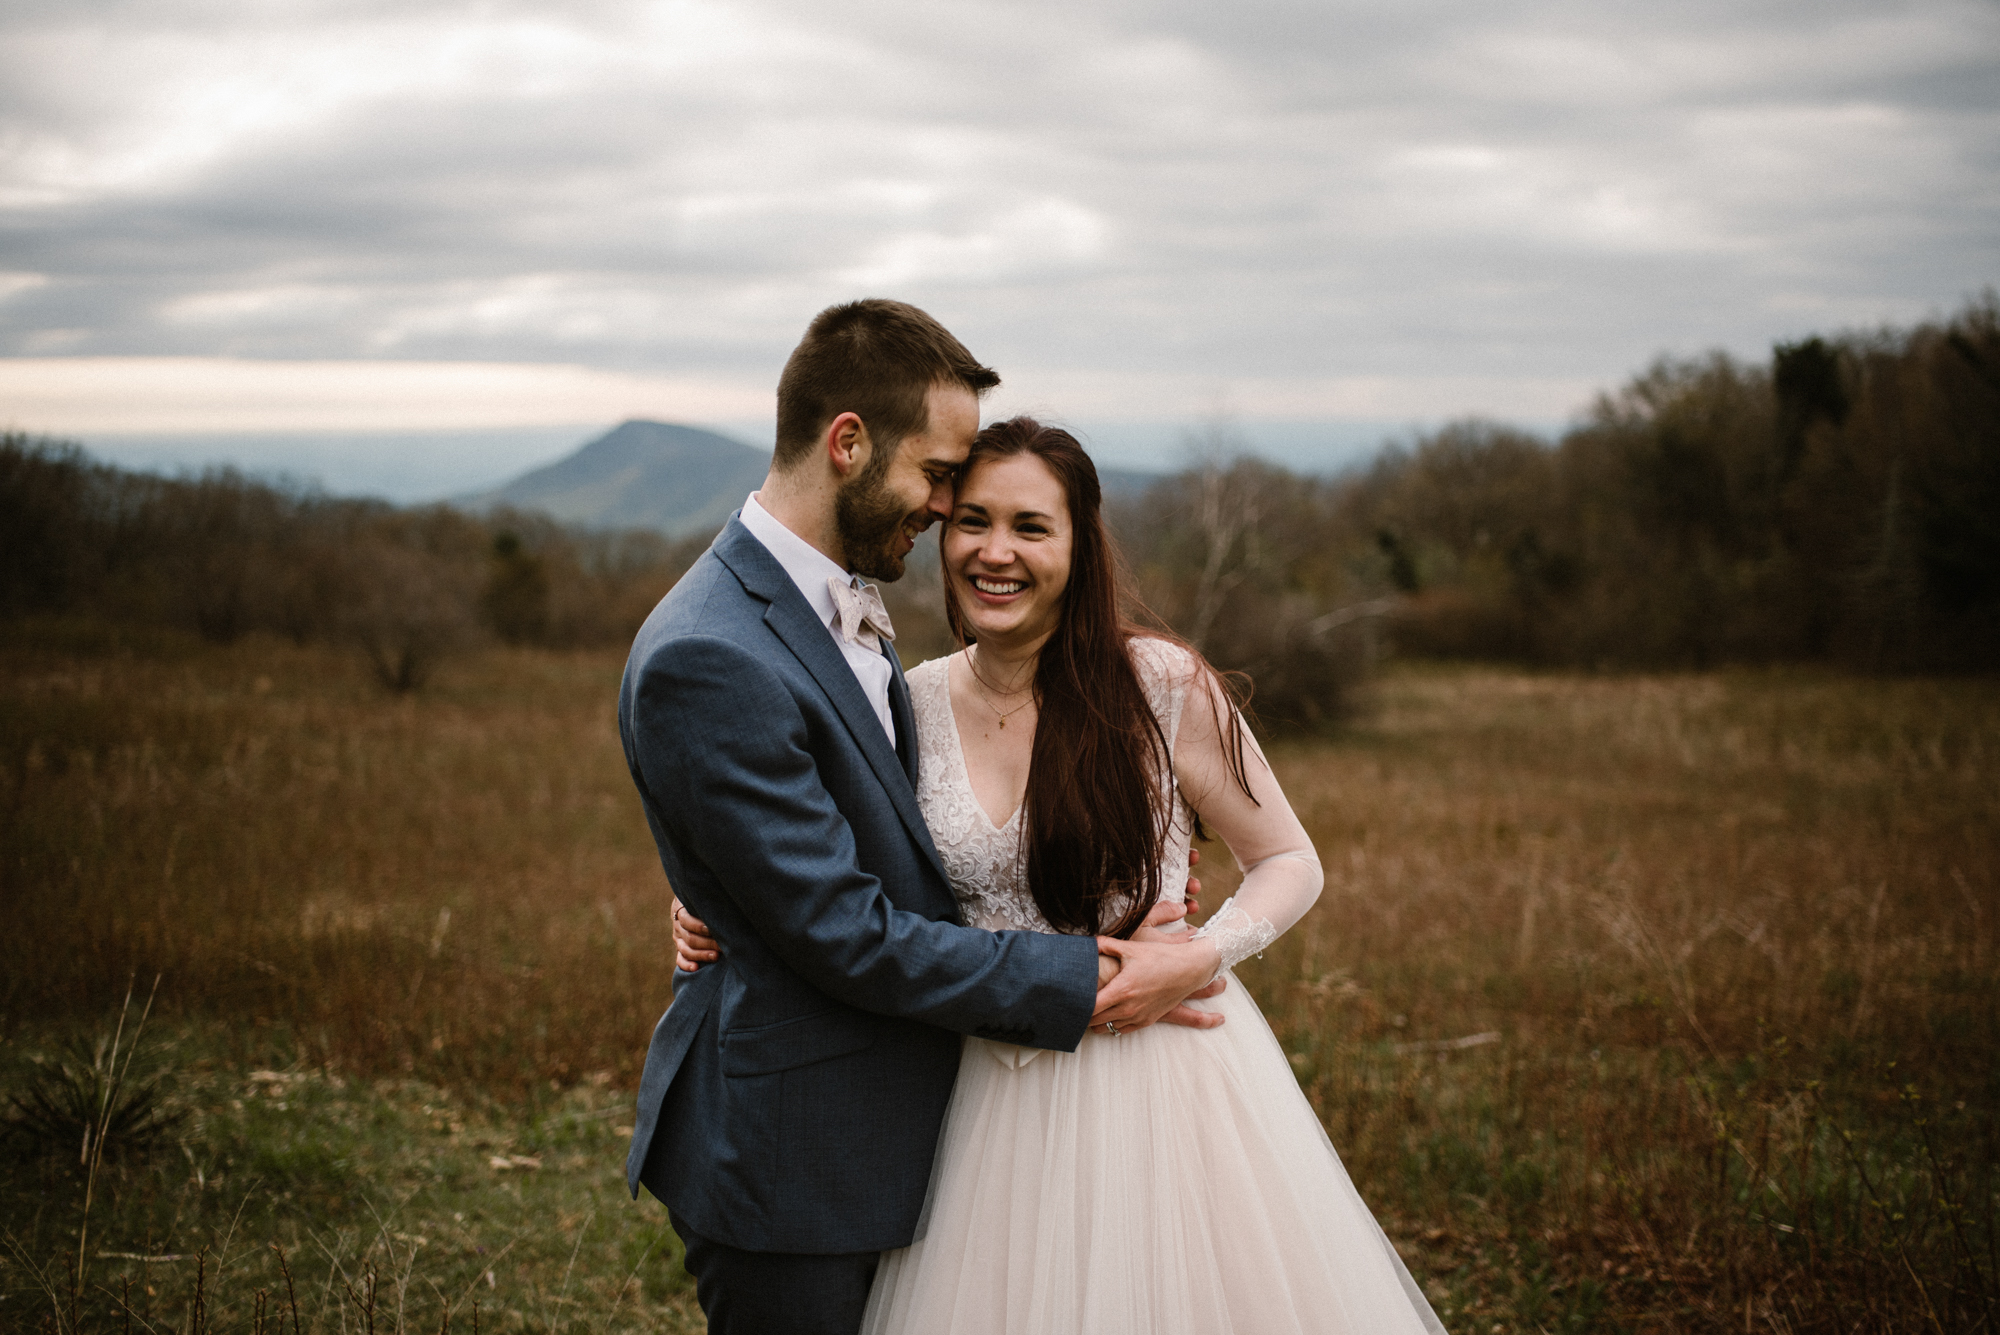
(1008, 551)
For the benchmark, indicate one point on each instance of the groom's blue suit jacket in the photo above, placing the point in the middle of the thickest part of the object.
(794, 1090)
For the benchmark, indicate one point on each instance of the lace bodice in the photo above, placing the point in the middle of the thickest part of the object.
(988, 864)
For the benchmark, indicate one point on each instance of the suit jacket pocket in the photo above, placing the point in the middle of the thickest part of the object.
(792, 1043)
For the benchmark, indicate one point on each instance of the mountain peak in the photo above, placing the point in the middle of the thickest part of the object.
(640, 474)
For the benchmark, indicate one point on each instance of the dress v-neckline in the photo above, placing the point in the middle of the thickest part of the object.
(965, 768)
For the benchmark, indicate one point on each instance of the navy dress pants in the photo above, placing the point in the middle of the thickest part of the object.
(777, 1293)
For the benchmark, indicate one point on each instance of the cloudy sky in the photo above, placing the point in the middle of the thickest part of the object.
(390, 226)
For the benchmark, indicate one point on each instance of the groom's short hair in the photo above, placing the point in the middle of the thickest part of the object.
(876, 359)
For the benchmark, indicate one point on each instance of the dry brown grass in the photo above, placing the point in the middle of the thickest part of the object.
(1716, 923)
(1704, 914)
(458, 881)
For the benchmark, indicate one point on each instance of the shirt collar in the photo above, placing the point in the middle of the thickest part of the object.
(809, 567)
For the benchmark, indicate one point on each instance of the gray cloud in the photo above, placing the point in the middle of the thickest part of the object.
(1228, 195)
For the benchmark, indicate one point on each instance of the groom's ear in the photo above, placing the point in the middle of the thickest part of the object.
(847, 444)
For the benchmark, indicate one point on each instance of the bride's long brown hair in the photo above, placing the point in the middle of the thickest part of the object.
(1096, 815)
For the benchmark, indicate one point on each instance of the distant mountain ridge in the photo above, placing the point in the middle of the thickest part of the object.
(679, 480)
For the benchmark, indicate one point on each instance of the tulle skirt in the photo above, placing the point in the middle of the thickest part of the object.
(1166, 1182)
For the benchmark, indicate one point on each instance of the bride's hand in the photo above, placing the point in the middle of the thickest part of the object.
(694, 947)
(1184, 1015)
(1154, 982)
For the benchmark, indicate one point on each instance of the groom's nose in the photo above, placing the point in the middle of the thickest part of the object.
(940, 502)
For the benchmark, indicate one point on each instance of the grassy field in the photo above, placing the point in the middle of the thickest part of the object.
(1662, 1003)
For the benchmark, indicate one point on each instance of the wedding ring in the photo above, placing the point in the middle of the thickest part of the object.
(1111, 1028)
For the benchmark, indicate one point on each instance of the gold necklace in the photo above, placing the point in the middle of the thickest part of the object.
(986, 690)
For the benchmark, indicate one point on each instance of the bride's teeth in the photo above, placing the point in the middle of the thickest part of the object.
(998, 586)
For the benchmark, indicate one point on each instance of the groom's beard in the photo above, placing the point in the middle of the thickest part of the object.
(871, 522)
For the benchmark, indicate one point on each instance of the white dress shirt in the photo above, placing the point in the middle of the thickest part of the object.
(810, 568)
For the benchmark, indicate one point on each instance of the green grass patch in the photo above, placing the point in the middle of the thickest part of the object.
(392, 1193)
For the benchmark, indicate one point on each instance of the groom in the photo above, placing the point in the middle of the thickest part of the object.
(792, 1095)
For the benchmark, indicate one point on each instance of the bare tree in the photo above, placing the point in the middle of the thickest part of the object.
(1227, 505)
(410, 610)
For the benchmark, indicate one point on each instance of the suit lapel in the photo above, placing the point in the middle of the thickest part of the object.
(791, 619)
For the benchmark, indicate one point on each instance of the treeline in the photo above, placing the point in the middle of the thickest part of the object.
(1840, 503)
(223, 556)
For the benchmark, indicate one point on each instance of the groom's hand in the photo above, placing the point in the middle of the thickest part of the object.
(1152, 982)
(1160, 924)
(693, 946)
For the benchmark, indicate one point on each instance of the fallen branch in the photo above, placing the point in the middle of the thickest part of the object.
(1451, 1044)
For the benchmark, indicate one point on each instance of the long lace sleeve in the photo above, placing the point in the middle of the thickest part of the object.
(1281, 872)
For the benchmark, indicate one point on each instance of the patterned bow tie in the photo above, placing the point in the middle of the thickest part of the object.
(863, 619)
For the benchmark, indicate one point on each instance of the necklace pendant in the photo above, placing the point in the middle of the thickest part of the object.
(1003, 720)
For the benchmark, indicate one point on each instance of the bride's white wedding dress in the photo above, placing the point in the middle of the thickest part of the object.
(1166, 1182)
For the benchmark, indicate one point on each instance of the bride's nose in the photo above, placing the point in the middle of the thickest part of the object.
(997, 549)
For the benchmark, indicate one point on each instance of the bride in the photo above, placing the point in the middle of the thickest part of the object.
(1158, 1180)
